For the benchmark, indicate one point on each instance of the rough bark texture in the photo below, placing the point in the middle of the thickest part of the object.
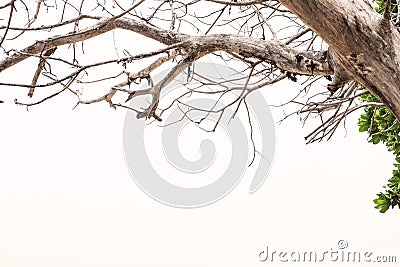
(366, 45)
(284, 57)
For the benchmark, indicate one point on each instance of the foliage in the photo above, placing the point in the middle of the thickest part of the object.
(383, 127)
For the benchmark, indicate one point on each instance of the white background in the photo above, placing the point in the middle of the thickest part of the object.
(67, 198)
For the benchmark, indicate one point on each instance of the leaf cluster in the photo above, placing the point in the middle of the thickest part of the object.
(383, 127)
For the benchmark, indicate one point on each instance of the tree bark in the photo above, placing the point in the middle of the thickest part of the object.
(284, 57)
(366, 45)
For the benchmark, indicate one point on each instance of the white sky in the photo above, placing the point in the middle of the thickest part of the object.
(67, 198)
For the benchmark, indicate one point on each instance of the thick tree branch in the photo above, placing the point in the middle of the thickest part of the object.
(284, 57)
(369, 51)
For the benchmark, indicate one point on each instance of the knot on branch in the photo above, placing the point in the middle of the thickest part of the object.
(359, 63)
(313, 63)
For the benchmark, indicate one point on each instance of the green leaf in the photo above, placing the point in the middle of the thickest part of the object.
(363, 127)
(375, 139)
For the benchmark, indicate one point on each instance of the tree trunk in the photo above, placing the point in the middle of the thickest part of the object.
(366, 44)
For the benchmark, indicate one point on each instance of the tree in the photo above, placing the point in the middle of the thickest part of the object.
(383, 126)
(346, 42)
